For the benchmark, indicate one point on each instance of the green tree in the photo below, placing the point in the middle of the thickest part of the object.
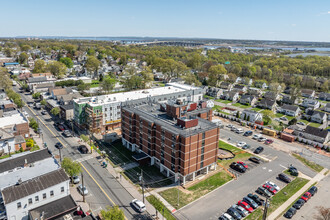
(293, 121)
(72, 168)
(93, 65)
(8, 52)
(25, 48)
(55, 111)
(40, 66)
(56, 68)
(216, 73)
(248, 118)
(108, 84)
(114, 213)
(170, 68)
(237, 114)
(33, 124)
(268, 115)
(5, 82)
(83, 86)
(43, 102)
(67, 61)
(191, 79)
(22, 58)
(36, 95)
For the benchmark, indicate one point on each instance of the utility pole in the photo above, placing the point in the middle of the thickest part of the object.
(72, 127)
(265, 209)
(142, 184)
(82, 182)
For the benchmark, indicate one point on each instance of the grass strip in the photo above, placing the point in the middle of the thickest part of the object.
(310, 164)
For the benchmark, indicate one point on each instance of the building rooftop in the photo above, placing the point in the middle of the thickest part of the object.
(152, 113)
(54, 210)
(12, 119)
(134, 95)
(37, 184)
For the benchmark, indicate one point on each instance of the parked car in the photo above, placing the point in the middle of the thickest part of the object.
(301, 123)
(75, 179)
(269, 141)
(82, 190)
(67, 133)
(313, 190)
(240, 210)
(262, 139)
(251, 202)
(273, 185)
(256, 136)
(290, 213)
(139, 205)
(248, 133)
(271, 189)
(293, 171)
(44, 112)
(284, 178)
(233, 128)
(306, 196)
(234, 213)
(83, 149)
(61, 127)
(258, 150)
(298, 204)
(283, 118)
(246, 206)
(263, 191)
(239, 131)
(255, 159)
(243, 164)
(241, 144)
(238, 167)
(246, 146)
(229, 125)
(59, 145)
(256, 198)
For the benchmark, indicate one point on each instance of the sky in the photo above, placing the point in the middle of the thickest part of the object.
(294, 20)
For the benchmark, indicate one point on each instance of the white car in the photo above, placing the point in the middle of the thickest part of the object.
(139, 205)
(227, 216)
(229, 125)
(241, 144)
(256, 136)
(262, 139)
(83, 190)
(239, 131)
(75, 179)
(273, 185)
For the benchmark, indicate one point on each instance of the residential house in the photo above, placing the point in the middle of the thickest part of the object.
(3, 94)
(254, 91)
(316, 134)
(241, 89)
(7, 142)
(267, 104)
(271, 95)
(287, 90)
(311, 103)
(57, 91)
(16, 123)
(42, 87)
(226, 86)
(47, 75)
(215, 92)
(230, 95)
(290, 110)
(247, 81)
(248, 100)
(238, 80)
(318, 117)
(286, 99)
(324, 96)
(327, 107)
(307, 93)
(66, 112)
(159, 76)
(264, 86)
(251, 116)
(68, 98)
(20, 143)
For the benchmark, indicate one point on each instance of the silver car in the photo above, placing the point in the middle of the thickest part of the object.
(83, 190)
(240, 210)
(75, 179)
(139, 205)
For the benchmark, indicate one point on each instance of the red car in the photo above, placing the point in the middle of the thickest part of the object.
(61, 127)
(271, 189)
(243, 164)
(246, 206)
(269, 141)
(306, 196)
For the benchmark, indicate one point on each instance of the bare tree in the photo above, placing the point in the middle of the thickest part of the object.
(323, 213)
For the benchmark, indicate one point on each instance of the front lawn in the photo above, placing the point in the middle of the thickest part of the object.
(241, 106)
(290, 117)
(278, 199)
(278, 115)
(304, 121)
(196, 191)
(256, 109)
(310, 164)
(208, 97)
(223, 101)
(227, 146)
(315, 125)
(160, 207)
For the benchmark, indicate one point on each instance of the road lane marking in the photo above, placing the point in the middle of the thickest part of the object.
(114, 204)
(283, 166)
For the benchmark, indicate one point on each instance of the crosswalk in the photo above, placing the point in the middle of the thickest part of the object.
(84, 158)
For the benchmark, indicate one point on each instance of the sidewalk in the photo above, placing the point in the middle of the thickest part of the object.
(285, 205)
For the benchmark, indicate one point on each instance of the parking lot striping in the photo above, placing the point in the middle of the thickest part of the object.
(283, 166)
(114, 204)
(46, 126)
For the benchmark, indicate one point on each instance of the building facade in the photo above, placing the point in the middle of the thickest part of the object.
(180, 139)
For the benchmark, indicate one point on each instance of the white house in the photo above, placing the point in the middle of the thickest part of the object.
(310, 103)
(308, 93)
(251, 116)
(290, 110)
(316, 134)
(327, 107)
(319, 117)
(7, 142)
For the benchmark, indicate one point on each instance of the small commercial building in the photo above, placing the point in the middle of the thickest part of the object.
(269, 132)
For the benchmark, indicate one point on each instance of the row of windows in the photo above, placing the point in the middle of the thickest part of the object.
(36, 198)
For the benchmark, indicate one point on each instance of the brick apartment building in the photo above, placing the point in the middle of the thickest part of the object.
(179, 138)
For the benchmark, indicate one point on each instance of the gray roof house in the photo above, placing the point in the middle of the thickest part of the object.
(310, 103)
(252, 116)
(267, 104)
(319, 117)
(226, 85)
(248, 100)
(241, 89)
(327, 107)
(215, 92)
(271, 95)
(316, 134)
(290, 110)
(230, 95)
(286, 99)
(308, 93)
(324, 96)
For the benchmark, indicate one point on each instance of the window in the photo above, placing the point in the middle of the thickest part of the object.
(52, 193)
(36, 198)
(30, 201)
(62, 189)
(19, 205)
(44, 196)
(105, 109)
(110, 108)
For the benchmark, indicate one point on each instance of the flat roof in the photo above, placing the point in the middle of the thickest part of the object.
(54, 210)
(12, 119)
(134, 95)
(152, 113)
(37, 184)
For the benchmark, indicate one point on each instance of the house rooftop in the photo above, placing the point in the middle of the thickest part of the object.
(290, 107)
(37, 184)
(12, 119)
(316, 131)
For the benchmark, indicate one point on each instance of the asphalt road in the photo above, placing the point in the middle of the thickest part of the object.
(104, 189)
(214, 204)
